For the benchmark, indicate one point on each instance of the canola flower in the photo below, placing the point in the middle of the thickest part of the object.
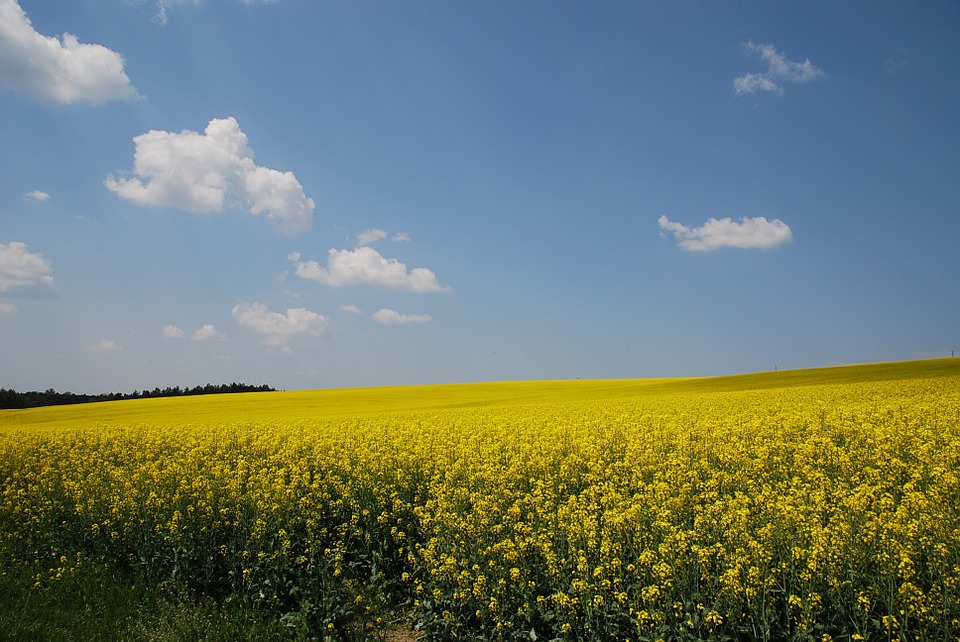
(817, 506)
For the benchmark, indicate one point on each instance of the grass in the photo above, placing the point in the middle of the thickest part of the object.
(92, 606)
(97, 604)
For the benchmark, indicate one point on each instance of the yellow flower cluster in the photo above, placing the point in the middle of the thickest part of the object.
(671, 510)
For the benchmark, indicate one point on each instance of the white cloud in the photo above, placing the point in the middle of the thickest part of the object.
(172, 332)
(370, 236)
(367, 237)
(391, 317)
(209, 331)
(779, 70)
(7, 308)
(22, 272)
(279, 329)
(203, 173)
(37, 195)
(206, 332)
(755, 82)
(352, 309)
(59, 70)
(894, 65)
(366, 266)
(163, 5)
(749, 233)
(106, 345)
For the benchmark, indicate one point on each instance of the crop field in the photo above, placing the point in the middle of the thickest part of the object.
(801, 505)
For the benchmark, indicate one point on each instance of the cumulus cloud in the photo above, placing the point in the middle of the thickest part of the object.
(352, 309)
(749, 233)
(207, 332)
(204, 173)
(366, 266)
(7, 308)
(387, 316)
(172, 332)
(58, 70)
(279, 329)
(779, 70)
(37, 195)
(22, 272)
(106, 345)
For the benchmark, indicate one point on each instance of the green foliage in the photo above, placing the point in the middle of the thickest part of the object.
(11, 399)
(92, 603)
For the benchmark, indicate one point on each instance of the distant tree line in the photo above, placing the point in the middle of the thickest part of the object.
(10, 399)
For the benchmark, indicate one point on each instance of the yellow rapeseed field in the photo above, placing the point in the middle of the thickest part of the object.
(804, 505)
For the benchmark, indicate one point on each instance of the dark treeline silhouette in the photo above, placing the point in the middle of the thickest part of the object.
(12, 399)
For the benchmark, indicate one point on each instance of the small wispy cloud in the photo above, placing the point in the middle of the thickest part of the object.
(894, 64)
(352, 309)
(367, 237)
(172, 332)
(373, 235)
(779, 70)
(209, 332)
(164, 5)
(24, 273)
(387, 316)
(7, 308)
(106, 345)
(206, 332)
(748, 233)
(37, 195)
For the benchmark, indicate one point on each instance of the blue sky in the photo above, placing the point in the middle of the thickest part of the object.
(326, 194)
